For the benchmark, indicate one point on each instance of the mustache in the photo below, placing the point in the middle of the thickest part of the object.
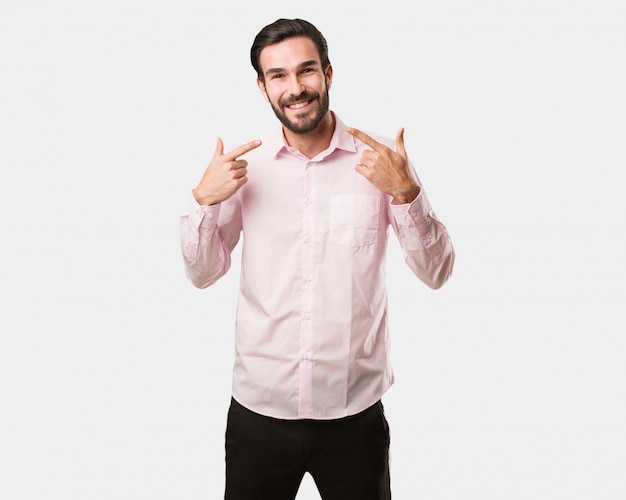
(304, 96)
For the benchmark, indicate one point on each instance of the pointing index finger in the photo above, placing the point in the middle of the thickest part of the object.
(241, 150)
(363, 137)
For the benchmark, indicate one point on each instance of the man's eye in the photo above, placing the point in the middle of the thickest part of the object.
(276, 75)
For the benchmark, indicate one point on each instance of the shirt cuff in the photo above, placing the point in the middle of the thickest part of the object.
(203, 215)
(418, 212)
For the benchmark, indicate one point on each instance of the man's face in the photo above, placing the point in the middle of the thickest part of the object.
(295, 84)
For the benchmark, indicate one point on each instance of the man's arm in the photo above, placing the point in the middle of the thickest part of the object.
(208, 235)
(424, 239)
(210, 229)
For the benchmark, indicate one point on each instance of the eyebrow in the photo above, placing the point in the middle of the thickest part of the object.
(305, 64)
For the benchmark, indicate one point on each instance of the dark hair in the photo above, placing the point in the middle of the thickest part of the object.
(282, 29)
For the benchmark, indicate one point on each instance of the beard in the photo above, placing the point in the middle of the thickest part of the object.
(303, 124)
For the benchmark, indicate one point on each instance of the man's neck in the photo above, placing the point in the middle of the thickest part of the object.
(314, 142)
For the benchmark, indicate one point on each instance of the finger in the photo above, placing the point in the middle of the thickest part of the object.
(238, 164)
(363, 137)
(362, 169)
(400, 142)
(240, 172)
(219, 148)
(235, 153)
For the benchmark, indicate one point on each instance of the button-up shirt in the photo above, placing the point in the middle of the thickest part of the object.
(311, 334)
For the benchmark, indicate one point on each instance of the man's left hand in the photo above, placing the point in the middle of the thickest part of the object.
(386, 169)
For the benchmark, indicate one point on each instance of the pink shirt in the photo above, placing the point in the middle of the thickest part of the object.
(311, 327)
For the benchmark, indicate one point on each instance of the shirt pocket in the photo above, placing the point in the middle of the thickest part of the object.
(354, 220)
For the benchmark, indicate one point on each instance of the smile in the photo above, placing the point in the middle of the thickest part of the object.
(299, 105)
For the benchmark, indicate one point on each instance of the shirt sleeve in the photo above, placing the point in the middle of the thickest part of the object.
(424, 240)
(208, 235)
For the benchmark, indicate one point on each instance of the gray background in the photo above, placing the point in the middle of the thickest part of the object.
(115, 371)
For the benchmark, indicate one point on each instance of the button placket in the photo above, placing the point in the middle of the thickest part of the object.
(307, 293)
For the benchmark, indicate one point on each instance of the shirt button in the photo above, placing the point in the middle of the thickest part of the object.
(306, 317)
(307, 240)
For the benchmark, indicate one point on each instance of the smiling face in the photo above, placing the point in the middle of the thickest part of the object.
(295, 84)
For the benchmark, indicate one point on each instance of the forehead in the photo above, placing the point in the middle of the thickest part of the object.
(289, 53)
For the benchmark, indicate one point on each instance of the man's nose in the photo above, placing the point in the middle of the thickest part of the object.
(296, 87)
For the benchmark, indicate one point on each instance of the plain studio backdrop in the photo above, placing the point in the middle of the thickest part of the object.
(115, 371)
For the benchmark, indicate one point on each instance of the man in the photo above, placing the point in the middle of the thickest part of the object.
(313, 203)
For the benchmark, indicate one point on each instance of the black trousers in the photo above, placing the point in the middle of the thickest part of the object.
(266, 458)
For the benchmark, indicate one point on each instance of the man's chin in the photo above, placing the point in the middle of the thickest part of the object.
(301, 125)
(301, 129)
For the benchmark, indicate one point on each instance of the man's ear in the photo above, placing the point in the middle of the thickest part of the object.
(261, 86)
(329, 76)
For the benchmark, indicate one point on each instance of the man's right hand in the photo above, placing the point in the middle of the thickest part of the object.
(224, 175)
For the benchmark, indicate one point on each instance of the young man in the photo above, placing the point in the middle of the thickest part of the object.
(314, 202)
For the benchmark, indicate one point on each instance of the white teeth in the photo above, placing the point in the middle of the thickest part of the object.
(298, 105)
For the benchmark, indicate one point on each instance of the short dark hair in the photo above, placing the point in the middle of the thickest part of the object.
(280, 30)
